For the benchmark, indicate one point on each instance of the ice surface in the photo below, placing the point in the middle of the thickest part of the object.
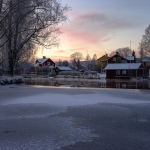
(34, 122)
(59, 132)
(71, 100)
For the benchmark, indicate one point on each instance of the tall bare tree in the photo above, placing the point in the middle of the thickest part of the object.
(144, 45)
(88, 61)
(76, 58)
(125, 51)
(27, 23)
(65, 63)
(94, 61)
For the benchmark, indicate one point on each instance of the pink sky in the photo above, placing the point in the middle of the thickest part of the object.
(100, 26)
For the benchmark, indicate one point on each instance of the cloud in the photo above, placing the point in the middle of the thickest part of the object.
(94, 28)
(59, 57)
(61, 51)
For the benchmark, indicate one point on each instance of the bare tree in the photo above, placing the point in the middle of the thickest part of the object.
(88, 61)
(0, 57)
(65, 63)
(59, 62)
(125, 51)
(88, 57)
(144, 45)
(93, 61)
(27, 23)
(76, 58)
(1, 3)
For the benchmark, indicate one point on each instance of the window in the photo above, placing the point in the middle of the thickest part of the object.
(103, 84)
(124, 86)
(123, 71)
(118, 72)
(117, 85)
(147, 64)
(118, 60)
(103, 64)
(114, 58)
(102, 70)
(48, 63)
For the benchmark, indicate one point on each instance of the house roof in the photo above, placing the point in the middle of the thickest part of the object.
(42, 60)
(63, 68)
(126, 57)
(129, 57)
(114, 55)
(146, 59)
(123, 66)
(103, 57)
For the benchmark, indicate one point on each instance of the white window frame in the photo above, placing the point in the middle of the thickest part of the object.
(148, 64)
(114, 58)
(103, 84)
(117, 72)
(124, 86)
(117, 85)
(119, 59)
(48, 63)
(124, 72)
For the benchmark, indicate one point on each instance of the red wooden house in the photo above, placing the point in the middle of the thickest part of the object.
(125, 70)
(45, 62)
(124, 67)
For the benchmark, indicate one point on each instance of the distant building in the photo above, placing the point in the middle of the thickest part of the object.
(43, 62)
(125, 70)
(117, 58)
(62, 68)
(102, 62)
(130, 59)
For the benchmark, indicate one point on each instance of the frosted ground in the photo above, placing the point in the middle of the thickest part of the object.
(38, 117)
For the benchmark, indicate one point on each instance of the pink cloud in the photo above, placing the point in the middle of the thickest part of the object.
(60, 51)
(93, 28)
(57, 58)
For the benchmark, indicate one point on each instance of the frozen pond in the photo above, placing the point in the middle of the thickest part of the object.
(45, 117)
(91, 83)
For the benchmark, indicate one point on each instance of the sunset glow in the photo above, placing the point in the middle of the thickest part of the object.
(99, 27)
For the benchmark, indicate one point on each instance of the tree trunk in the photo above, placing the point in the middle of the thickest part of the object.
(10, 51)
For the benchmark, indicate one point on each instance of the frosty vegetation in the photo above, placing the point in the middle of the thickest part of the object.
(11, 80)
(144, 45)
(26, 24)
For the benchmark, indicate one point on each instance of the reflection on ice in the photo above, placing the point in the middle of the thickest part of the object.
(94, 83)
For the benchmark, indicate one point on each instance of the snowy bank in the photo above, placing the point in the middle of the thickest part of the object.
(11, 80)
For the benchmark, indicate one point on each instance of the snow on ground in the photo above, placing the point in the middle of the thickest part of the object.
(102, 75)
(72, 100)
(11, 80)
